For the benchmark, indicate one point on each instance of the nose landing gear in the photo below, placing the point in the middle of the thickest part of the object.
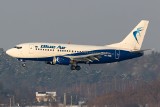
(23, 64)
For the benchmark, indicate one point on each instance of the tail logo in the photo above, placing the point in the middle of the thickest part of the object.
(136, 33)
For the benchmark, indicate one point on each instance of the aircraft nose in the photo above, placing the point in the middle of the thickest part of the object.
(14, 53)
(9, 52)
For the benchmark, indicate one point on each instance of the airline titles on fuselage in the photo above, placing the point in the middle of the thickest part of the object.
(50, 47)
(53, 47)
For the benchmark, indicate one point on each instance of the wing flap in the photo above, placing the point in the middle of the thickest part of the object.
(88, 58)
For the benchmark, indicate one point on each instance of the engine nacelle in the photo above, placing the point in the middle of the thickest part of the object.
(60, 60)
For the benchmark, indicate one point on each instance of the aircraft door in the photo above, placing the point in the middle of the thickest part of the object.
(31, 48)
(117, 54)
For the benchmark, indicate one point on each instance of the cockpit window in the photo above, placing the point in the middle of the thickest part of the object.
(18, 47)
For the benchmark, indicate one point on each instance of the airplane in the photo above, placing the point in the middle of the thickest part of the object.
(72, 54)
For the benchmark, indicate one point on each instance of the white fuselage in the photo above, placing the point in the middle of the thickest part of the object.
(41, 50)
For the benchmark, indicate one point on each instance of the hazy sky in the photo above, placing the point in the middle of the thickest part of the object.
(93, 22)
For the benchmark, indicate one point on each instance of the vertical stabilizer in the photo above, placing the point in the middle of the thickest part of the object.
(134, 39)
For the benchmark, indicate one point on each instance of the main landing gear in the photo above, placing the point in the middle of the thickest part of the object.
(75, 67)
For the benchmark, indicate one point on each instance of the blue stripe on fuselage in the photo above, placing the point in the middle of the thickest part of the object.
(109, 57)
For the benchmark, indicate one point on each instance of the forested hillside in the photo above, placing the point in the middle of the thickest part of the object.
(88, 83)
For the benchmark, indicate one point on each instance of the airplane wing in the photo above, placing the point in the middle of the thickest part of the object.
(88, 58)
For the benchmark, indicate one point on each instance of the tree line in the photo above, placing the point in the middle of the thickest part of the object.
(129, 82)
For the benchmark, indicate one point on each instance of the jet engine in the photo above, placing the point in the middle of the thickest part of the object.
(60, 60)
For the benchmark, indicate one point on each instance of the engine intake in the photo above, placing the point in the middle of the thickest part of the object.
(60, 60)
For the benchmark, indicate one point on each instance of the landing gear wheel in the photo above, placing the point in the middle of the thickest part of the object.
(73, 67)
(77, 68)
(23, 65)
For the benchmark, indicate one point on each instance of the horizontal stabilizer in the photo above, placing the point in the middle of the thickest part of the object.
(139, 51)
